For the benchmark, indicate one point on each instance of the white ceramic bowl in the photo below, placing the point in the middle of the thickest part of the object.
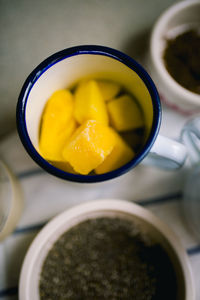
(173, 21)
(29, 278)
(11, 201)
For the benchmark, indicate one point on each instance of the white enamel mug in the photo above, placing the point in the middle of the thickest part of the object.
(67, 67)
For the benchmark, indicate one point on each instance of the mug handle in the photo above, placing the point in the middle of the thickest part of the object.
(167, 153)
(190, 136)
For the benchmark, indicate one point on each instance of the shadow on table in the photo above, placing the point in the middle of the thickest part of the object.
(17, 246)
(137, 46)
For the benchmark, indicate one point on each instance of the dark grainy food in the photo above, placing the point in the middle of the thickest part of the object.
(106, 258)
(182, 59)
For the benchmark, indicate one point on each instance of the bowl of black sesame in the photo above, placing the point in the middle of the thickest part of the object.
(174, 56)
(106, 249)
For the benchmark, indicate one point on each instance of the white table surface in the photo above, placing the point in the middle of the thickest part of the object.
(29, 32)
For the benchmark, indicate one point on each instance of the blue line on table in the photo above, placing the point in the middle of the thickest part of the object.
(146, 202)
(194, 250)
(30, 228)
(150, 201)
(161, 199)
(30, 173)
(36, 227)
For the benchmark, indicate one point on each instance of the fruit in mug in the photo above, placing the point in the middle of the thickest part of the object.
(75, 136)
(57, 124)
(108, 89)
(120, 155)
(89, 146)
(89, 103)
(125, 114)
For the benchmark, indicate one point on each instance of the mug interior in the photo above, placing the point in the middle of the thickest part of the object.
(63, 71)
(68, 72)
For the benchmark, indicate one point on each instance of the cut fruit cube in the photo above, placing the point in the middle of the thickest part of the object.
(88, 147)
(108, 89)
(89, 103)
(51, 144)
(57, 125)
(63, 165)
(120, 155)
(125, 113)
(59, 109)
(51, 148)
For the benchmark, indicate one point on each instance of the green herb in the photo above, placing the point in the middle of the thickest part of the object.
(182, 59)
(106, 258)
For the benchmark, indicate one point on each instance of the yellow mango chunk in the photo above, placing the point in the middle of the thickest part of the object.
(120, 155)
(51, 145)
(89, 103)
(63, 165)
(57, 125)
(125, 113)
(88, 147)
(108, 89)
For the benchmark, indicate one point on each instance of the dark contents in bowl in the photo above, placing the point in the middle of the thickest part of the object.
(182, 59)
(106, 258)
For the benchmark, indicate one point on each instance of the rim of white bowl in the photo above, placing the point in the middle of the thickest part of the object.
(157, 60)
(15, 205)
(102, 205)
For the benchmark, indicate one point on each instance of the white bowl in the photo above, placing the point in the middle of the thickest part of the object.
(29, 277)
(11, 201)
(172, 22)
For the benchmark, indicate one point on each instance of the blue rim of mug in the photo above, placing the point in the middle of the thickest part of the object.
(56, 58)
